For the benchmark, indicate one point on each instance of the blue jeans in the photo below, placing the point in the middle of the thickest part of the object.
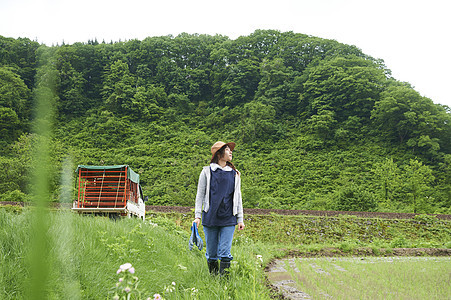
(219, 242)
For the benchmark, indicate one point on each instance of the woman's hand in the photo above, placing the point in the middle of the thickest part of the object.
(197, 221)
(240, 226)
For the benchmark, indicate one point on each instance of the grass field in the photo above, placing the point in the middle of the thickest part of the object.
(82, 255)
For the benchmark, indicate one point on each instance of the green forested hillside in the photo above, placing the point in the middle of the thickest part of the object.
(318, 124)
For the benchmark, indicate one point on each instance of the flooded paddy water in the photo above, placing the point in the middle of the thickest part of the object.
(362, 277)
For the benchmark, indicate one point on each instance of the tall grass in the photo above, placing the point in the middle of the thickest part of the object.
(14, 235)
(82, 261)
(37, 256)
(85, 252)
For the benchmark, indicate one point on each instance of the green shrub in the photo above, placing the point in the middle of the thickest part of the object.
(425, 219)
(348, 246)
(399, 242)
(12, 208)
(352, 197)
(15, 196)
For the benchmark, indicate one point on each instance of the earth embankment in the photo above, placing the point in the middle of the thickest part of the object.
(260, 211)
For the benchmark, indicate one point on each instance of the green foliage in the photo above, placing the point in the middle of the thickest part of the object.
(409, 118)
(16, 166)
(426, 219)
(389, 176)
(257, 122)
(353, 198)
(348, 86)
(14, 105)
(319, 124)
(399, 242)
(19, 55)
(348, 246)
(14, 196)
(12, 208)
(346, 232)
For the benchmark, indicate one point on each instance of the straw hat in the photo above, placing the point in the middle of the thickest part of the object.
(218, 145)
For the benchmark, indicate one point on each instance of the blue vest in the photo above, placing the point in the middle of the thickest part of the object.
(222, 186)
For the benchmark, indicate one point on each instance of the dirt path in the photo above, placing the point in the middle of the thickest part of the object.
(319, 213)
(282, 280)
(258, 211)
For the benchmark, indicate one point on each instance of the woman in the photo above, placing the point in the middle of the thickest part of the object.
(219, 204)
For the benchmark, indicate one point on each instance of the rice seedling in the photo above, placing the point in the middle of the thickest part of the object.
(373, 277)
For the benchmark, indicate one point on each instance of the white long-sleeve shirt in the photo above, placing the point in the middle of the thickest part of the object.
(203, 193)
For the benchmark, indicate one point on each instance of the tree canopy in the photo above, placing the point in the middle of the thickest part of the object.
(319, 124)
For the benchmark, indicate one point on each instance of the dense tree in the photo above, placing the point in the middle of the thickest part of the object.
(9, 124)
(389, 177)
(322, 124)
(19, 55)
(238, 83)
(14, 104)
(72, 84)
(119, 88)
(404, 116)
(257, 122)
(16, 168)
(352, 197)
(279, 87)
(348, 86)
(315, 120)
(418, 179)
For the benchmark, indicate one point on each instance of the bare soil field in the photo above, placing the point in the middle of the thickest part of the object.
(319, 213)
(257, 211)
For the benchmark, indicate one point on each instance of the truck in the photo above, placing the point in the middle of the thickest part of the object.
(112, 191)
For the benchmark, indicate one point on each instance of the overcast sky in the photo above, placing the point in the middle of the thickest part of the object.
(412, 37)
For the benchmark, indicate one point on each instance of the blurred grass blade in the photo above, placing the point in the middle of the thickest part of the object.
(42, 126)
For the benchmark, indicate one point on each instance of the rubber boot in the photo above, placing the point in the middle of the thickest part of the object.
(213, 267)
(223, 266)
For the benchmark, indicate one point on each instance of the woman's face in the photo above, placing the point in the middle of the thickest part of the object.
(227, 156)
